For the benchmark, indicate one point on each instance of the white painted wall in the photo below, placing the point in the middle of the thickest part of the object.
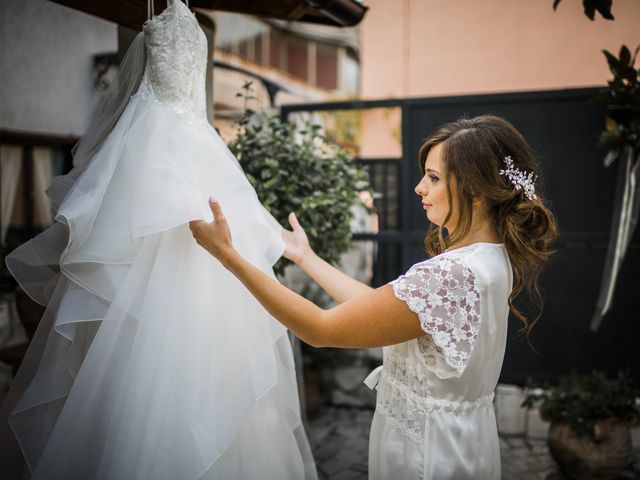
(46, 65)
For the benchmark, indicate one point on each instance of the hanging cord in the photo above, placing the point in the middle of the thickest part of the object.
(150, 9)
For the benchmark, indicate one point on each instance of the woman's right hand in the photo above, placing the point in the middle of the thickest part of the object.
(296, 242)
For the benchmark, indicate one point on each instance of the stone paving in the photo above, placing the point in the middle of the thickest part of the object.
(339, 437)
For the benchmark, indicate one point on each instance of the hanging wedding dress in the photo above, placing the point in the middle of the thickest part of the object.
(152, 361)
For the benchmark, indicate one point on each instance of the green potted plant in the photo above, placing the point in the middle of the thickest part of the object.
(621, 138)
(622, 99)
(302, 170)
(590, 417)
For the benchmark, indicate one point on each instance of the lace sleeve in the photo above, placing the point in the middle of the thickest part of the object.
(444, 295)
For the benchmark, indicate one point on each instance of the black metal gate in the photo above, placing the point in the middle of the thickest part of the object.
(562, 127)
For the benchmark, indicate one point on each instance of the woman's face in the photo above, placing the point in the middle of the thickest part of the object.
(433, 188)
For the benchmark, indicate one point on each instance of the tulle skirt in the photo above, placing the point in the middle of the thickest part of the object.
(151, 360)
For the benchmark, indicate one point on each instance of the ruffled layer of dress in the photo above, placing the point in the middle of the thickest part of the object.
(151, 360)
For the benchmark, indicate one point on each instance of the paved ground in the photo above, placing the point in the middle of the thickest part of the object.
(339, 437)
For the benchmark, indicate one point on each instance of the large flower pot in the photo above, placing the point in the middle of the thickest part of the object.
(599, 456)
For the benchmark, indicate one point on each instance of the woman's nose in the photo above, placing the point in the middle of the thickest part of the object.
(420, 190)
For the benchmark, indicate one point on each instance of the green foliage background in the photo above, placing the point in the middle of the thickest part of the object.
(301, 170)
(623, 101)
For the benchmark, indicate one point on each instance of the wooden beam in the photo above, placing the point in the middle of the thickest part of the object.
(133, 13)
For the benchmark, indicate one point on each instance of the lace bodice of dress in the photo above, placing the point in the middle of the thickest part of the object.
(444, 293)
(176, 59)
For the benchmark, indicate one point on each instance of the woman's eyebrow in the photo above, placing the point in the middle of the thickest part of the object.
(431, 170)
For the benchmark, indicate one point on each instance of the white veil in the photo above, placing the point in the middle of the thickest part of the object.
(36, 264)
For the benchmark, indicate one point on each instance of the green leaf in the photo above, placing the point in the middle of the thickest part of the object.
(625, 55)
(589, 9)
(272, 163)
(635, 55)
(614, 63)
(252, 180)
(265, 173)
(603, 7)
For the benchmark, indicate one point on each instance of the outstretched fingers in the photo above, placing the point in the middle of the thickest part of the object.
(293, 221)
(216, 209)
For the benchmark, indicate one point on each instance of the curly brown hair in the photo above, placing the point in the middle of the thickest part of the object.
(473, 152)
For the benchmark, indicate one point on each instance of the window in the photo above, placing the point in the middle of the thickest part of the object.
(327, 67)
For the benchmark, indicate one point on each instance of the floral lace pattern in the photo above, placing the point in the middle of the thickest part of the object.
(431, 353)
(403, 397)
(176, 60)
(442, 292)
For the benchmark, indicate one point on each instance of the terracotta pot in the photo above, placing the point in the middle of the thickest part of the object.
(600, 456)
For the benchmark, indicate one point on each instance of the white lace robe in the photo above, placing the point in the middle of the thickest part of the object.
(434, 417)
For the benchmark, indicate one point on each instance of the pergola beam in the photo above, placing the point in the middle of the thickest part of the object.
(133, 13)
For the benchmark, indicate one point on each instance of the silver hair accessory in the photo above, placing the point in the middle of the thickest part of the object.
(520, 180)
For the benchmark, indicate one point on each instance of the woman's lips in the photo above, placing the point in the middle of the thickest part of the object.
(426, 206)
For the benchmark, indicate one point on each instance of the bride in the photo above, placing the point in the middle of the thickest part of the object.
(151, 360)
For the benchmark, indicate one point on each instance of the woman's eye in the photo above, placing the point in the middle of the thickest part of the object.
(433, 178)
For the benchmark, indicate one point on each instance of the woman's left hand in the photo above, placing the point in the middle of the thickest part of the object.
(215, 237)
